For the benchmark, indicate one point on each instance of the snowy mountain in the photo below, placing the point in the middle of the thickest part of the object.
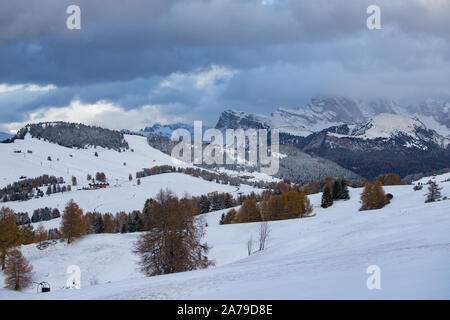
(4, 136)
(408, 132)
(235, 119)
(323, 257)
(325, 112)
(384, 143)
(435, 114)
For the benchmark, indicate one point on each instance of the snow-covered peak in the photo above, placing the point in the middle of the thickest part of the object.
(408, 131)
(387, 125)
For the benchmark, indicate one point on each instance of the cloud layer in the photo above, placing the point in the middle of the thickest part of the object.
(194, 58)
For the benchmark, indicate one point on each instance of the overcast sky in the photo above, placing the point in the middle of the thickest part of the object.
(137, 62)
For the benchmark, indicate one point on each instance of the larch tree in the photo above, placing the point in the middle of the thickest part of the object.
(248, 212)
(72, 224)
(18, 272)
(373, 196)
(40, 235)
(173, 240)
(10, 235)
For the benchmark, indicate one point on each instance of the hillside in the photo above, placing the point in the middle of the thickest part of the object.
(122, 194)
(325, 256)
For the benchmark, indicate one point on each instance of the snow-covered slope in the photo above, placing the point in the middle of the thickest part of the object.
(325, 256)
(122, 194)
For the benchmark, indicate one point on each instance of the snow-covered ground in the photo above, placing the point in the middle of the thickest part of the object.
(325, 256)
(122, 195)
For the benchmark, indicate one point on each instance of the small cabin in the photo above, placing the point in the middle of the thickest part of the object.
(98, 185)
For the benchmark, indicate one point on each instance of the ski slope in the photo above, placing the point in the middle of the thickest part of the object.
(325, 256)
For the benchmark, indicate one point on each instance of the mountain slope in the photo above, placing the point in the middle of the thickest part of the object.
(323, 257)
(235, 119)
(122, 193)
(385, 143)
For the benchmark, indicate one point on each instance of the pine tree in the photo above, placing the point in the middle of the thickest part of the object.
(19, 273)
(344, 190)
(216, 203)
(327, 198)
(337, 190)
(434, 192)
(98, 223)
(72, 224)
(204, 204)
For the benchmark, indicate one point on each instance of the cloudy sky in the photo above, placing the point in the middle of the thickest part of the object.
(137, 62)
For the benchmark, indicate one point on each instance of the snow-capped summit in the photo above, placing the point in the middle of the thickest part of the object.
(325, 112)
(386, 126)
(236, 119)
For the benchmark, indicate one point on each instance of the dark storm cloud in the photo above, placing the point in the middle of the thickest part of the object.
(282, 53)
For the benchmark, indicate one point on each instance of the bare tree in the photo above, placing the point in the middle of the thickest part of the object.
(250, 245)
(264, 231)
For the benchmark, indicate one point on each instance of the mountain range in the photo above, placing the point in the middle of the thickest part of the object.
(4, 136)
(325, 112)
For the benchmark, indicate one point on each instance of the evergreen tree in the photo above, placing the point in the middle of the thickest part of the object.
(337, 190)
(434, 192)
(344, 190)
(139, 225)
(204, 204)
(327, 197)
(216, 203)
(98, 223)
